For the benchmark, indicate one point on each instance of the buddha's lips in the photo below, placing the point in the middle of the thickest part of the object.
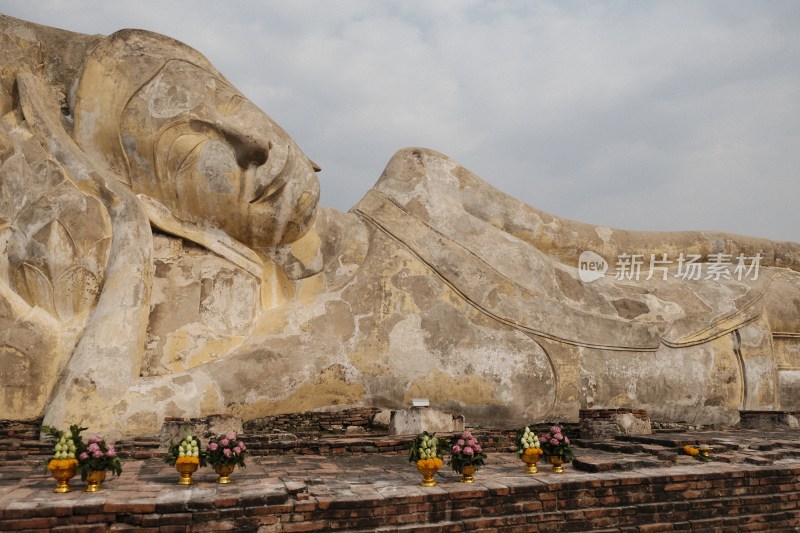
(273, 190)
(276, 184)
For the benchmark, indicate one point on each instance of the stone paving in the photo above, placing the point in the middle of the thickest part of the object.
(292, 486)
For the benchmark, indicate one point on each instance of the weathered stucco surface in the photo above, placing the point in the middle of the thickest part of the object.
(162, 254)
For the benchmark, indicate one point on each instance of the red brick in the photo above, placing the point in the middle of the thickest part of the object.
(29, 523)
(654, 528)
(318, 525)
(126, 507)
(94, 528)
(677, 486)
(173, 529)
(213, 525)
(273, 509)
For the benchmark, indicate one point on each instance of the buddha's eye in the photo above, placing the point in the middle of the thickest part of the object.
(213, 158)
(217, 162)
(248, 151)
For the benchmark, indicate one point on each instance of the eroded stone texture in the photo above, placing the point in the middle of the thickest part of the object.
(162, 255)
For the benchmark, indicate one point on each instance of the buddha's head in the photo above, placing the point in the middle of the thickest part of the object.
(164, 121)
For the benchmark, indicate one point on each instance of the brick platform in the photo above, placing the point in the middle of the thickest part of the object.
(641, 483)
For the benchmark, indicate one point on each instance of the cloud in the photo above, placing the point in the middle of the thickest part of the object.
(656, 115)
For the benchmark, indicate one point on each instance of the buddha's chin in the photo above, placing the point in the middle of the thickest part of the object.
(287, 227)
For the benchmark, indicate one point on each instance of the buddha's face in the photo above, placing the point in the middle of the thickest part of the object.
(196, 145)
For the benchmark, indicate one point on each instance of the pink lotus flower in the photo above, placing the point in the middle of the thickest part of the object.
(555, 429)
(111, 451)
(95, 438)
(546, 436)
(97, 455)
(224, 442)
(456, 449)
(466, 435)
(566, 440)
(236, 449)
(242, 446)
(93, 447)
(477, 448)
(554, 442)
(472, 442)
(227, 452)
(212, 446)
(558, 436)
(460, 442)
(83, 456)
(468, 451)
(230, 436)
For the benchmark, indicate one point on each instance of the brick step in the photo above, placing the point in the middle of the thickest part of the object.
(592, 463)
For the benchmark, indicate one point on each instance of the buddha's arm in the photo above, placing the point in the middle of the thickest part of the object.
(565, 239)
(428, 183)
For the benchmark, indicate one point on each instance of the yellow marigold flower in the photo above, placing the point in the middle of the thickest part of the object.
(187, 460)
(691, 450)
(59, 464)
(439, 462)
(421, 463)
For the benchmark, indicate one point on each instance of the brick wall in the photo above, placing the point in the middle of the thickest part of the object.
(316, 422)
(759, 499)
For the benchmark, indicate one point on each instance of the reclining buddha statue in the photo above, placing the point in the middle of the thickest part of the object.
(163, 254)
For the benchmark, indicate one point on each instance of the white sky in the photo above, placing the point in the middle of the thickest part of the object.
(643, 115)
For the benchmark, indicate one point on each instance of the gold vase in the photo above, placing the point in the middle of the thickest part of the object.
(427, 475)
(224, 472)
(93, 480)
(467, 473)
(530, 462)
(558, 463)
(62, 477)
(186, 470)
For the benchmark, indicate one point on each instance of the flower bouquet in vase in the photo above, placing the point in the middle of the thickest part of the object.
(63, 465)
(224, 453)
(186, 457)
(95, 459)
(528, 449)
(557, 448)
(425, 453)
(466, 456)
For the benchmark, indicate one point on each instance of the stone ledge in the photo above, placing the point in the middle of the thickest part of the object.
(378, 492)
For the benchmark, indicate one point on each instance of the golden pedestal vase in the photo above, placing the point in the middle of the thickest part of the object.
(467, 473)
(186, 470)
(427, 471)
(62, 475)
(94, 479)
(224, 472)
(558, 463)
(530, 461)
